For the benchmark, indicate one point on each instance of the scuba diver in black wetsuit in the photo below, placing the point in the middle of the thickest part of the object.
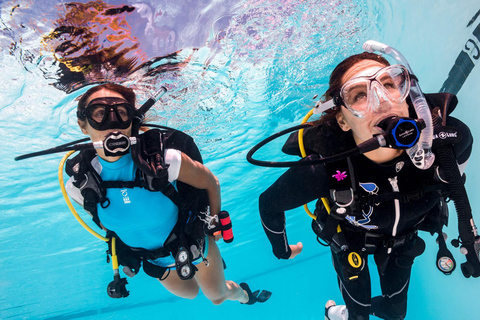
(158, 203)
(374, 200)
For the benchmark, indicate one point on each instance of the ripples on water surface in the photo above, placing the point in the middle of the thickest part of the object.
(236, 71)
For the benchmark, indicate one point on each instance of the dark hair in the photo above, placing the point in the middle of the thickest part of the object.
(336, 78)
(127, 93)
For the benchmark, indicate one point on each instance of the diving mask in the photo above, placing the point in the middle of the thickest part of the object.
(365, 93)
(109, 113)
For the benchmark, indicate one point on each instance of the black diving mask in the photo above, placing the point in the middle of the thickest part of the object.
(109, 113)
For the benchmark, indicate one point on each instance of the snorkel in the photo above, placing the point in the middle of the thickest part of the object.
(152, 99)
(421, 153)
(115, 143)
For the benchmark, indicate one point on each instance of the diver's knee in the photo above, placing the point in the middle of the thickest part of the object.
(216, 296)
(217, 301)
(186, 292)
(191, 294)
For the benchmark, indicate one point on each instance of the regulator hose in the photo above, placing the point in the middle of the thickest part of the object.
(466, 227)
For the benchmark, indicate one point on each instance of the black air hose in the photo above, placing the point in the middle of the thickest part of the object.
(458, 194)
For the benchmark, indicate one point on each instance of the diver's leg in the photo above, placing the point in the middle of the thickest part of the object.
(212, 278)
(187, 289)
(395, 280)
(356, 293)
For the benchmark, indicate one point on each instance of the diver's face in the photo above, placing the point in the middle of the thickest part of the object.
(99, 135)
(363, 128)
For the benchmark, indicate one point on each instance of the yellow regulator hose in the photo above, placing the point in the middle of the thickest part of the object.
(77, 216)
(304, 154)
(69, 203)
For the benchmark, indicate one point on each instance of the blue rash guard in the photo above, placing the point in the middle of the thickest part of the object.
(141, 218)
(135, 209)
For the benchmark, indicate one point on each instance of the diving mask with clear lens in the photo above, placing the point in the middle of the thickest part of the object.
(109, 113)
(365, 93)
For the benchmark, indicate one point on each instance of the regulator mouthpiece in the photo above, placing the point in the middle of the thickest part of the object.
(117, 144)
(401, 133)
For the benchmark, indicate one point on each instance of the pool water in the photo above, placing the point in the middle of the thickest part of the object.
(236, 72)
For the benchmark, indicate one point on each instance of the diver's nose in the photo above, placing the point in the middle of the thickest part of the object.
(380, 102)
(112, 115)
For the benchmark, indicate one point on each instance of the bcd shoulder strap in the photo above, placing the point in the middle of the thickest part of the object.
(88, 181)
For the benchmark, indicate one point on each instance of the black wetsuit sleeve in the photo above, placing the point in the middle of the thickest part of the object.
(297, 186)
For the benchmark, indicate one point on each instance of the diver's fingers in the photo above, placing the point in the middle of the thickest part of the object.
(296, 249)
(218, 235)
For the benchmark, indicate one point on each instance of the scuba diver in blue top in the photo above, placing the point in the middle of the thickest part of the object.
(159, 204)
(379, 179)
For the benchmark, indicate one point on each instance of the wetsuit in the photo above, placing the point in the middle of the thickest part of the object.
(387, 229)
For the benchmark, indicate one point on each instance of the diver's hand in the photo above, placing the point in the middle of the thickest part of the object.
(296, 249)
(219, 226)
(217, 235)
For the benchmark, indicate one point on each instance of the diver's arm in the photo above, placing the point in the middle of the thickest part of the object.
(197, 175)
(297, 186)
